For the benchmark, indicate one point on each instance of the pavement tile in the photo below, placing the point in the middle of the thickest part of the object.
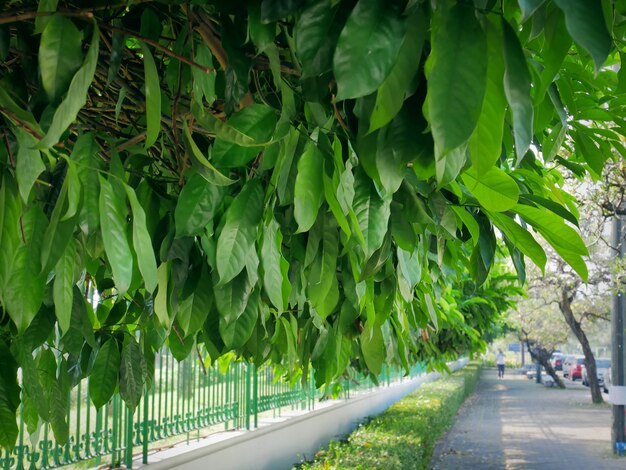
(514, 423)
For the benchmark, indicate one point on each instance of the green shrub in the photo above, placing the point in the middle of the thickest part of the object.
(404, 436)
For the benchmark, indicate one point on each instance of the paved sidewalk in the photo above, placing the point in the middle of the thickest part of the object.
(515, 423)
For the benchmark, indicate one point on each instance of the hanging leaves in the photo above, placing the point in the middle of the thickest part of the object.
(76, 96)
(114, 236)
(457, 78)
(240, 231)
(367, 48)
(104, 373)
(517, 88)
(306, 184)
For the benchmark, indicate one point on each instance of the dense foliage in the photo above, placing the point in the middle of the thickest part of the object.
(405, 435)
(307, 183)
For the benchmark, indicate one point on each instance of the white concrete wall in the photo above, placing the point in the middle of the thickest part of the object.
(283, 444)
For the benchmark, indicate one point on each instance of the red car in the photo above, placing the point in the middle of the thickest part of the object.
(575, 370)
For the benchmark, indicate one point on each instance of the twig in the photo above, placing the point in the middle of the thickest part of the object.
(338, 116)
(210, 39)
(158, 46)
(201, 360)
(14, 16)
(8, 144)
(132, 141)
(21, 122)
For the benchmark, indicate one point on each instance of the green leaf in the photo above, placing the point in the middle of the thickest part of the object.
(132, 373)
(231, 298)
(564, 239)
(29, 165)
(553, 228)
(142, 242)
(76, 96)
(56, 395)
(10, 209)
(235, 330)
(17, 115)
(80, 330)
(469, 221)
(262, 34)
(309, 189)
(73, 191)
(555, 207)
(240, 231)
(316, 34)
(257, 122)
(587, 148)
(555, 49)
(161, 305)
(485, 144)
(153, 97)
(520, 237)
(212, 175)
(275, 266)
(373, 348)
(31, 380)
(196, 206)
(585, 23)
(457, 78)
(113, 215)
(410, 266)
(517, 84)
(60, 55)
(274, 10)
(9, 398)
(529, 7)
(398, 144)
(322, 288)
(40, 328)
(203, 82)
(88, 162)
(193, 310)
(331, 185)
(57, 234)
(430, 307)
(367, 48)
(394, 89)
(25, 287)
(223, 130)
(45, 6)
(103, 377)
(63, 287)
(495, 190)
(372, 213)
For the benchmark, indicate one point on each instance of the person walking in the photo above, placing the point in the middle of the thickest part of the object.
(500, 360)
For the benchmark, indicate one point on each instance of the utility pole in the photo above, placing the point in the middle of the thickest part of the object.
(618, 323)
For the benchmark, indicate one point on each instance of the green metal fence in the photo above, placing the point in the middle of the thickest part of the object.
(184, 399)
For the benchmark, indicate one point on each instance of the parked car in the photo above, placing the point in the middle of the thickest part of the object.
(567, 363)
(557, 361)
(525, 368)
(602, 364)
(575, 370)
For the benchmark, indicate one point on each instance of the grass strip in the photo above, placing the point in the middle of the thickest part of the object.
(405, 435)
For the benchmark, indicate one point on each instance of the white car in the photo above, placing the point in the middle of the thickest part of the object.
(602, 365)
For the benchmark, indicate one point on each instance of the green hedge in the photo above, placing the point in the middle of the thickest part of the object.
(405, 435)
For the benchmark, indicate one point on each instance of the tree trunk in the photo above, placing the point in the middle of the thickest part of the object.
(565, 306)
(542, 356)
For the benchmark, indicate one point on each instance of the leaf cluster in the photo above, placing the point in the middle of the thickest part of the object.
(324, 184)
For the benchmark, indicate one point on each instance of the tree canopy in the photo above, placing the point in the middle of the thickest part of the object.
(328, 184)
